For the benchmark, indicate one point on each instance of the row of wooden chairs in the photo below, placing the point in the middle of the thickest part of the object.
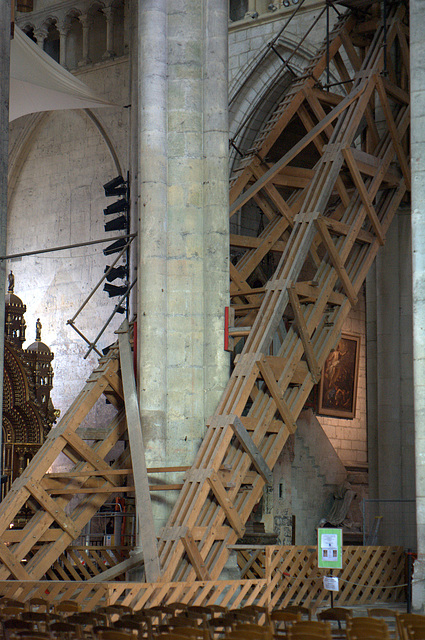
(118, 622)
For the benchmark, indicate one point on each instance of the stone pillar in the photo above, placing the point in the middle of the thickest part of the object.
(183, 261)
(390, 394)
(5, 15)
(417, 68)
(152, 238)
(63, 32)
(40, 35)
(216, 201)
(86, 23)
(109, 15)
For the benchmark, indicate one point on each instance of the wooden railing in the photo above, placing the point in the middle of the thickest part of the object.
(369, 575)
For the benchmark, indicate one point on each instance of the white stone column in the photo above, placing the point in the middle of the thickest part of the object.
(86, 23)
(109, 15)
(5, 15)
(183, 243)
(417, 67)
(216, 200)
(153, 229)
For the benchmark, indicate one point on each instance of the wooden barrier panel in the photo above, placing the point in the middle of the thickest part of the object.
(370, 575)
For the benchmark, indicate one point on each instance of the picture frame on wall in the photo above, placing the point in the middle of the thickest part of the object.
(338, 383)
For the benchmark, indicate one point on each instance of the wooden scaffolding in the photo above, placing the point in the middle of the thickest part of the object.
(329, 197)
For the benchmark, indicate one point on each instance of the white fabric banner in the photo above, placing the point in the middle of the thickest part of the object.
(38, 83)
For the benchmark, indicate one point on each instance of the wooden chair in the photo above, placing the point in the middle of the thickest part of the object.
(405, 619)
(258, 614)
(67, 607)
(262, 632)
(114, 634)
(416, 632)
(282, 620)
(39, 604)
(389, 615)
(12, 602)
(310, 630)
(367, 627)
(11, 626)
(337, 615)
(40, 621)
(297, 608)
(62, 629)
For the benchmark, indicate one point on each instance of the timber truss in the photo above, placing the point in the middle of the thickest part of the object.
(328, 172)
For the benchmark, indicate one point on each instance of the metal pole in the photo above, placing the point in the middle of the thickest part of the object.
(5, 35)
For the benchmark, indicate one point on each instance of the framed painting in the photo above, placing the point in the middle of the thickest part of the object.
(338, 384)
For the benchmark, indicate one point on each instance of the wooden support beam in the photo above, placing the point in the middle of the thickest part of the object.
(252, 450)
(364, 195)
(136, 560)
(54, 508)
(336, 261)
(226, 504)
(147, 536)
(195, 557)
(296, 149)
(404, 164)
(304, 334)
(276, 394)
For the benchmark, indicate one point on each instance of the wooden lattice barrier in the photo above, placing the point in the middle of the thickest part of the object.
(369, 575)
(85, 562)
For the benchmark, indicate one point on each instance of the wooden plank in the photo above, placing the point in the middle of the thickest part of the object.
(55, 510)
(226, 504)
(135, 560)
(361, 187)
(404, 164)
(336, 261)
(195, 556)
(296, 149)
(304, 334)
(252, 450)
(276, 394)
(147, 537)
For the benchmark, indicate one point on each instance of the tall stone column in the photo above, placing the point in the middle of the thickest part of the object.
(5, 16)
(152, 238)
(183, 261)
(417, 69)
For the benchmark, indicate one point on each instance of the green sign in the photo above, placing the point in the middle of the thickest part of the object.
(329, 548)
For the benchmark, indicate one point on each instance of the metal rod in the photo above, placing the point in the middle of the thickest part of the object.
(385, 70)
(328, 78)
(103, 278)
(261, 58)
(245, 120)
(71, 324)
(92, 345)
(335, 84)
(24, 254)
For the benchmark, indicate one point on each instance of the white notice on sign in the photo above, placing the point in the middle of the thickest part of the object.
(329, 540)
(331, 584)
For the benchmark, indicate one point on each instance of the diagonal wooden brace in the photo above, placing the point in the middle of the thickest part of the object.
(227, 505)
(364, 195)
(304, 334)
(195, 556)
(251, 449)
(336, 261)
(268, 377)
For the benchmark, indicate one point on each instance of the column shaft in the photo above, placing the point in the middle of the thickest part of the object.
(5, 15)
(417, 24)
